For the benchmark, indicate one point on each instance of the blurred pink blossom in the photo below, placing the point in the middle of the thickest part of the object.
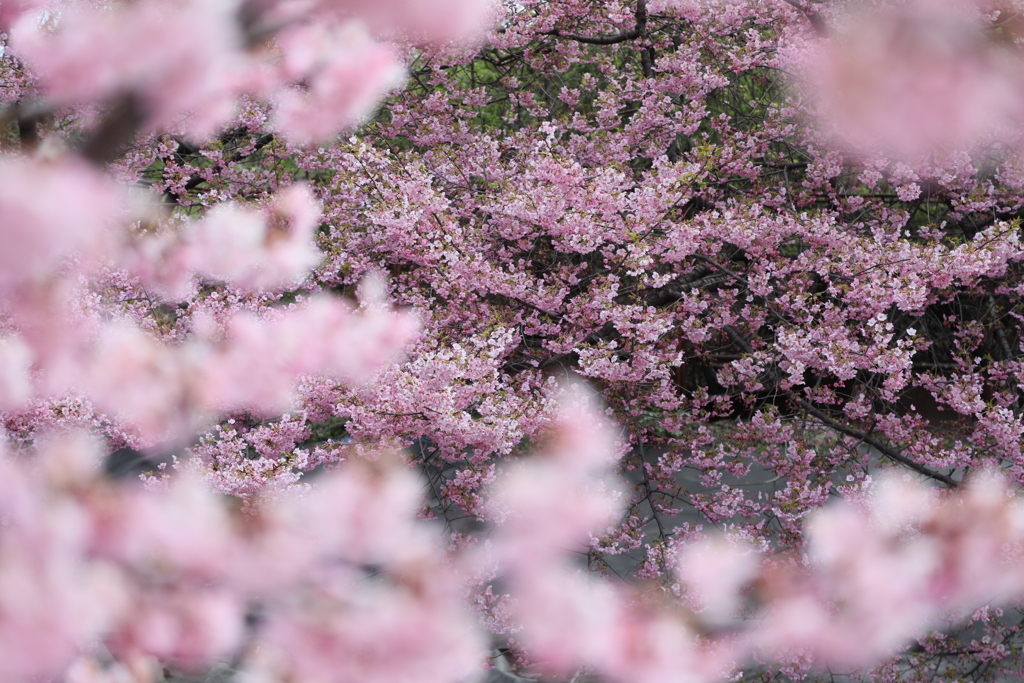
(259, 249)
(52, 210)
(348, 74)
(561, 496)
(181, 57)
(135, 377)
(257, 363)
(714, 571)
(15, 366)
(403, 634)
(191, 626)
(914, 76)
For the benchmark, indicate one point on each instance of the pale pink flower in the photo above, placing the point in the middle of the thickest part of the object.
(52, 210)
(369, 510)
(363, 514)
(69, 460)
(259, 249)
(567, 619)
(10, 10)
(163, 262)
(713, 572)
(179, 57)
(346, 81)
(15, 367)
(583, 440)
(282, 539)
(250, 368)
(134, 376)
(258, 362)
(181, 531)
(381, 634)
(188, 626)
(52, 606)
(900, 504)
(421, 21)
(561, 497)
(915, 76)
(548, 512)
(53, 601)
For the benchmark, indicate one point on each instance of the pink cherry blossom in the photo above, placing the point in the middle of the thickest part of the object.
(916, 76)
(53, 210)
(267, 249)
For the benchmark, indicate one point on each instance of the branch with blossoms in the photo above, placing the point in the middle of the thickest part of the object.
(105, 582)
(876, 572)
(343, 584)
(156, 67)
(102, 581)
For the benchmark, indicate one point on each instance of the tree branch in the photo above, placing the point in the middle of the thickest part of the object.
(641, 27)
(887, 451)
(115, 131)
(817, 23)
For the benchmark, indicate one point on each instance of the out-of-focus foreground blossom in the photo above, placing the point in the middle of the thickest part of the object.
(156, 66)
(59, 220)
(168, 574)
(171, 572)
(166, 390)
(913, 76)
(340, 583)
(877, 574)
(53, 210)
(349, 586)
(185, 64)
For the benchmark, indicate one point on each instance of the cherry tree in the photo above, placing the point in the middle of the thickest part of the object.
(780, 241)
(775, 292)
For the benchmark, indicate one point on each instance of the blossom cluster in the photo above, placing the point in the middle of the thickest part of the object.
(105, 582)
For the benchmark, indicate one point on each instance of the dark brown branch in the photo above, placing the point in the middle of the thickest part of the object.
(885, 450)
(116, 130)
(678, 290)
(636, 32)
(647, 62)
(28, 117)
(817, 23)
(598, 40)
